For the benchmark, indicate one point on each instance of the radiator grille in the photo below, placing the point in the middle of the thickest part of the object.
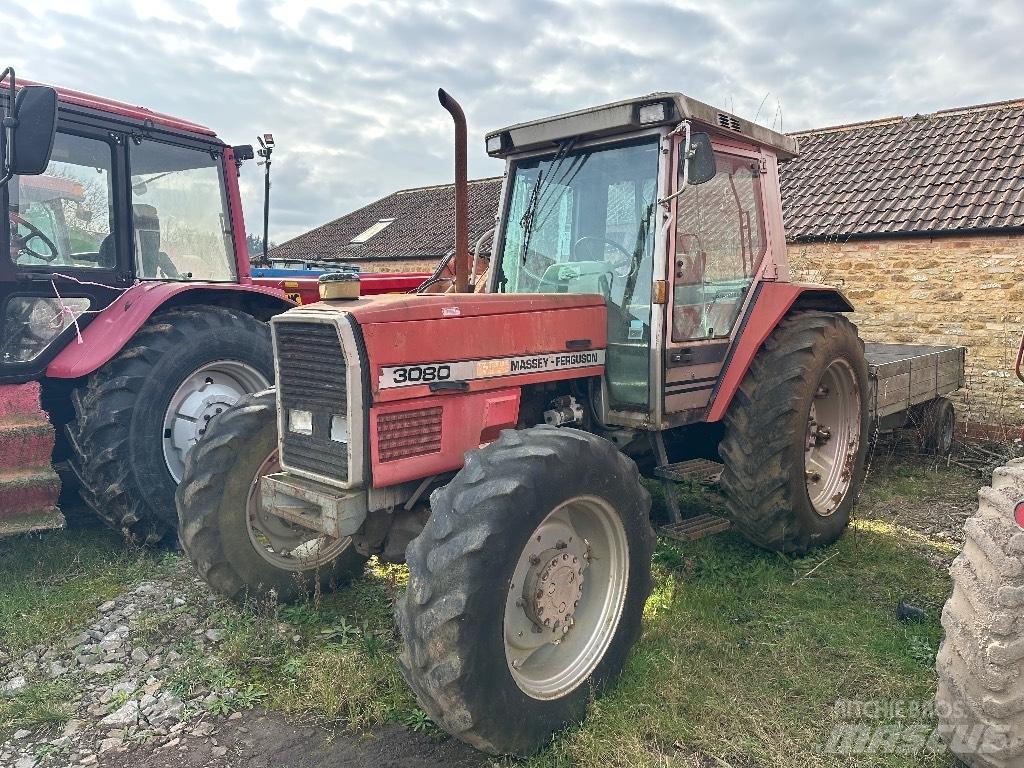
(311, 377)
(409, 433)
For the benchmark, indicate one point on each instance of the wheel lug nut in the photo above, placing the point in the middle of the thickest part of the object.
(520, 602)
(534, 559)
(560, 545)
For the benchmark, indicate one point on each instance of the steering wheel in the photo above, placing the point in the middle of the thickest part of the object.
(34, 233)
(615, 267)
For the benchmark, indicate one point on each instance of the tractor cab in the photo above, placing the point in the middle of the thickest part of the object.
(666, 207)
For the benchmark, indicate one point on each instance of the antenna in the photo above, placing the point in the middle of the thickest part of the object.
(769, 93)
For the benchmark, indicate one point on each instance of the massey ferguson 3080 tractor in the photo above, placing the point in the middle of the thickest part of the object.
(980, 702)
(638, 294)
(127, 316)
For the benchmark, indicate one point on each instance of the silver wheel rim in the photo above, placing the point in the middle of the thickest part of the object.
(579, 551)
(833, 438)
(203, 394)
(283, 545)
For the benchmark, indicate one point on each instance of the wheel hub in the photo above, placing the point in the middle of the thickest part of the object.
(209, 391)
(553, 588)
(832, 438)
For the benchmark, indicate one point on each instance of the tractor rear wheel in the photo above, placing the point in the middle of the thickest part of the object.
(137, 417)
(796, 435)
(980, 701)
(238, 549)
(526, 587)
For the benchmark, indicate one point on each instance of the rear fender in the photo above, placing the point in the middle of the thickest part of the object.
(110, 330)
(772, 303)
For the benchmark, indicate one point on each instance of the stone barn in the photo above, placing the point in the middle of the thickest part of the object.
(920, 220)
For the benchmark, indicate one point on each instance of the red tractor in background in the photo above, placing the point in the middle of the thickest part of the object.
(128, 315)
(980, 664)
(638, 303)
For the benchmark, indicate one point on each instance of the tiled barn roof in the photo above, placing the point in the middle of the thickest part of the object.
(953, 170)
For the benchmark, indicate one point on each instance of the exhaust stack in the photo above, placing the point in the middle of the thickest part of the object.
(462, 275)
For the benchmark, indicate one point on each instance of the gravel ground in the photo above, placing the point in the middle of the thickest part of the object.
(126, 710)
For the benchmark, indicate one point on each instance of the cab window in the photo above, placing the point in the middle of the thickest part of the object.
(720, 241)
(179, 214)
(64, 217)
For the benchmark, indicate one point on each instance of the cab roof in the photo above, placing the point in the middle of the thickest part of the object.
(634, 114)
(124, 110)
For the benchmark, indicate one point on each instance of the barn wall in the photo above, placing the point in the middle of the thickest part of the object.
(958, 291)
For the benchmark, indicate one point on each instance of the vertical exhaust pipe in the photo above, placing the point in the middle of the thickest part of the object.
(462, 275)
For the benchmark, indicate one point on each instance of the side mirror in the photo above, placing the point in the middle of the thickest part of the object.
(35, 116)
(700, 160)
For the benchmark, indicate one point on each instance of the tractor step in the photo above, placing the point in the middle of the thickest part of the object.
(29, 487)
(695, 528)
(703, 471)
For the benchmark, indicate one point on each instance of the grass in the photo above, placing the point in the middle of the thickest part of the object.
(743, 658)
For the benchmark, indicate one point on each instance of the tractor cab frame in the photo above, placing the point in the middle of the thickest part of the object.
(666, 207)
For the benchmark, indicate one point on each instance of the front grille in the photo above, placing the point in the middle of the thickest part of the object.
(409, 433)
(311, 377)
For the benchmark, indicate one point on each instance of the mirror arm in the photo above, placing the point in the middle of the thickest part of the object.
(683, 128)
(9, 123)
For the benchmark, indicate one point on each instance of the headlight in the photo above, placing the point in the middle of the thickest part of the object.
(31, 323)
(339, 429)
(300, 422)
(652, 113)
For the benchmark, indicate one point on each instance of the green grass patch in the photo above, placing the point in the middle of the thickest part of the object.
(51, 584)
(41, 705)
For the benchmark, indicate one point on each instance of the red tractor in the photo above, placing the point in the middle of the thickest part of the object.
(980, 702)
(638, 303)
(128, 317)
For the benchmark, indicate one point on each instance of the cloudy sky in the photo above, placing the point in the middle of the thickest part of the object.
(348, 88)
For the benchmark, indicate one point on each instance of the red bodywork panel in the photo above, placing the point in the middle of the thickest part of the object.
(107, 334)
(80, 99)
(440, 328)
(771, 305)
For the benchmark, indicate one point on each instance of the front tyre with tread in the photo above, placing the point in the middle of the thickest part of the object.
(464, 572)
(215, 527)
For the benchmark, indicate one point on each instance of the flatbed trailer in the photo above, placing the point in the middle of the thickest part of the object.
(905, 377)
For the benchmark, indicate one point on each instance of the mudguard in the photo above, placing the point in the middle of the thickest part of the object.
(109, 331)
(770, 305)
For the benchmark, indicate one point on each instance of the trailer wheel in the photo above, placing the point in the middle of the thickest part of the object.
(936, 425)
(526, 587)
(137, 417)
(980, 699)
(796, 435)
(238, 549)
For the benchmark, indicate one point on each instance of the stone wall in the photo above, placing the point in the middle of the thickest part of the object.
(957, 291)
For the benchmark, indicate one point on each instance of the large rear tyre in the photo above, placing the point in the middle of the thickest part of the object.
(526, 587)
(796, 435)
(238, 549)
(137, 417)
(980, 700)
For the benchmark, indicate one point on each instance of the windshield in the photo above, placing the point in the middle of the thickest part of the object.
(179, 212)
(582, 221)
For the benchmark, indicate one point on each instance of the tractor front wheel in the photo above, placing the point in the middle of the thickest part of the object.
(526, 587)
(796, 435)
(240, 550)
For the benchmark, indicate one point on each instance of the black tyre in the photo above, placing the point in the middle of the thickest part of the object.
(238, 549)
(936, 426)
(543, 536)
(980, 699)
(137, 417)
(796, 435)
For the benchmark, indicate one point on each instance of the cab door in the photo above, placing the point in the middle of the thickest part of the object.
(63, 247)
(715, 251)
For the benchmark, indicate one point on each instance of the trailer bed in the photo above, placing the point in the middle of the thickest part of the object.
(905, 375)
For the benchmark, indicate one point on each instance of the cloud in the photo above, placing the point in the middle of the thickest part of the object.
(348, 88)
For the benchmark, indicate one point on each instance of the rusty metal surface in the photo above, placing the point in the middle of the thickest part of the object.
(461, 191)
(695, 528)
